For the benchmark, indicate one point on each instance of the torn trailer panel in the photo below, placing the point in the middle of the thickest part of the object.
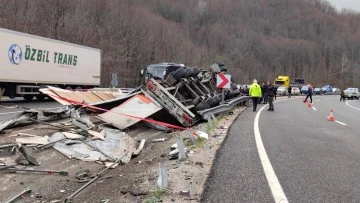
(131, 111)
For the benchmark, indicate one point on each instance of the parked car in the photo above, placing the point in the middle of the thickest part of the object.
(352, 93)
(318, 91)
(304, 89)
(295, 91)
(336, 90)
(281, 90)
(327, 89)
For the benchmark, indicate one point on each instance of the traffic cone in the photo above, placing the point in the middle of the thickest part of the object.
(331, 117)
(309, 105)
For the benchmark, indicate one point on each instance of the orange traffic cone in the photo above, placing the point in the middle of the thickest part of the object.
(331, 117)
(309, 105)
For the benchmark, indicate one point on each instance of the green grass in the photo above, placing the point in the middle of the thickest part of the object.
(199, 144)
(210, 127)
(155, 196)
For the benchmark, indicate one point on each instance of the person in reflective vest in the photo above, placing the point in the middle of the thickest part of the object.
(255, 93)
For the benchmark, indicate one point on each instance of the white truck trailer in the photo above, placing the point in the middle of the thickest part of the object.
(30, 62)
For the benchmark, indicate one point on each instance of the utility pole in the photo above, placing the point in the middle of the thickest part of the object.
(343, 61)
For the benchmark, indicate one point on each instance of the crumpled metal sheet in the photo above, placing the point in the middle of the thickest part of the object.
(69, 152)
(115, 146)
(30, 116)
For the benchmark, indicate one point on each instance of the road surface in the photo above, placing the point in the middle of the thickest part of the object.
(291, 155)
(8, 107)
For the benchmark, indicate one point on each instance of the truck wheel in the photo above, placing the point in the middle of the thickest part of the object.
(202, 106)
(178, 74)
(40, 97)
(211, 101)
(78, 88)
(196, 71)
(217, 99)
(233, 86)
(28, 97)
(188, 72)
(196, 101)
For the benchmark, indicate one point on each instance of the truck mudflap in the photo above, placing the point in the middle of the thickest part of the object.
(208, 113)
(180, 112)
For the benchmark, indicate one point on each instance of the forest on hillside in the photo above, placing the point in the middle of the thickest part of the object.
(254, 38)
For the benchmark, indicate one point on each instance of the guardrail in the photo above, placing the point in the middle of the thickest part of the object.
(209, 113)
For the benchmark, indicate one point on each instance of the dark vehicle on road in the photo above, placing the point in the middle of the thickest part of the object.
(304, 90)
(327, 89)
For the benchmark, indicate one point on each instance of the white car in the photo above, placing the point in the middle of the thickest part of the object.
(295, 91)
(336, 90)
(281, 91)
(352, 93)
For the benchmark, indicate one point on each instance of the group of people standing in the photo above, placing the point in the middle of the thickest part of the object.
(265, 93)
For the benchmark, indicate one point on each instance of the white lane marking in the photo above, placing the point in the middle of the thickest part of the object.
(274, 184)
(314, 108)
(317, 100)
(347, 103)
(340, 122)
(12, 112)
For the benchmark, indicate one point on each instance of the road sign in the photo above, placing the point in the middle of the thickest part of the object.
(223, 81)
(114, 80)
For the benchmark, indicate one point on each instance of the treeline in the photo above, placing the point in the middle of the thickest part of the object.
(254, 38)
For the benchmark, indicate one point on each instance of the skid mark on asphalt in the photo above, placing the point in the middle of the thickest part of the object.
(347, 103)
(274, 184)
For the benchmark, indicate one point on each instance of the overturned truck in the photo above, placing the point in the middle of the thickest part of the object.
(170, 93)
(189, 94)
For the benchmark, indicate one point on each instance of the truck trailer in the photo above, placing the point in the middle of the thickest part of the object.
(30, 62)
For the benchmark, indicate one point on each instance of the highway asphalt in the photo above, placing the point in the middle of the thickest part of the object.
(8, 107)
(296, 156)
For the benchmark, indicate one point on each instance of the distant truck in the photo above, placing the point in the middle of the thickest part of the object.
(282, 81)
(30, 62)
(298, 82)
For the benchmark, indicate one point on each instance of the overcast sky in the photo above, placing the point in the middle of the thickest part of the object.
(349, 4)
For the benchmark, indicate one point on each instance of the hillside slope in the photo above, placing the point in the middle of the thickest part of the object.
(256, 39)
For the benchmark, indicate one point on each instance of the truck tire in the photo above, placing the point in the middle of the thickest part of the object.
(196, 101)
(40, 97)
(28, 97)
(196, 71)
(188, 72)
(211, 101)
(217, 100)
(233, 86)
(178, 74)
(233, 94)
(202, 106)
